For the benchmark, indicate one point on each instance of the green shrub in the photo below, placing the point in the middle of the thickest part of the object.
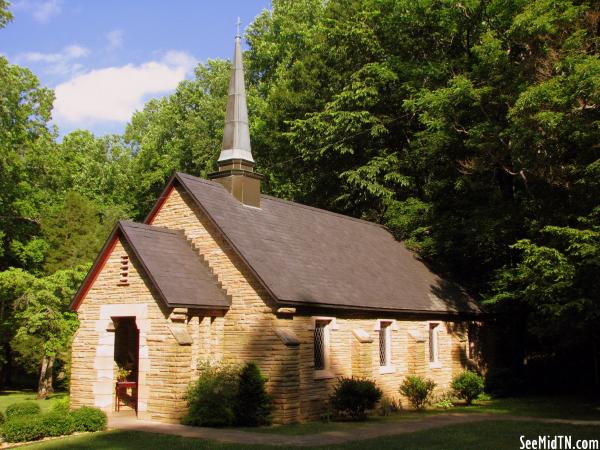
(354, 397)
(22, 429)
(61, 405)
(2, 418)
(418, 390)
(444, 400)
(253, 403)
(57, 424)
(444, 404)
(212, 398)
(468, 386)
(22, 409)
(88, 419)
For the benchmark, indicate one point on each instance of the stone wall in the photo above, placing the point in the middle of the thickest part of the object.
(164, 365)
(246, 332)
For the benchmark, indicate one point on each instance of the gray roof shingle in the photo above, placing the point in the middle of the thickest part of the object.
(310, 256)
(178, 273)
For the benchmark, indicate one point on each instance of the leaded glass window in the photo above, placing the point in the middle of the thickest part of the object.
(433, 342)
(384, 344)
(320, 345)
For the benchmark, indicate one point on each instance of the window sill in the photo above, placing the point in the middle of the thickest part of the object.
(387, 369)
(323, 375)
(435, 365)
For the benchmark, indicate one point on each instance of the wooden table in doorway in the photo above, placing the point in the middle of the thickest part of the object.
(126, 394)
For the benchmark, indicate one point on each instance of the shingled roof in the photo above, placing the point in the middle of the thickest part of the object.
(172, 265)
(309, 256)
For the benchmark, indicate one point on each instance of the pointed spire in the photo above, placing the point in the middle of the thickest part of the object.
(236, 137)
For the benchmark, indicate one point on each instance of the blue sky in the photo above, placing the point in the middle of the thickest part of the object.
(106, 58)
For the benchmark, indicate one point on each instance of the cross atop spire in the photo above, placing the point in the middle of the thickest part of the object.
(238, 23)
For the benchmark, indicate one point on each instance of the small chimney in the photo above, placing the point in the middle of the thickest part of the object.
(236, 164)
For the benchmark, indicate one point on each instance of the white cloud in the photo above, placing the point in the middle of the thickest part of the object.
(41, 10)
(179, 59)
(114, 39)
(61, 63)
(112, 94)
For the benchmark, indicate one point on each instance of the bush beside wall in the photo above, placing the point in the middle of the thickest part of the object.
(212, 397)
(418, 390)
(354, 397)
(22, 409)
(468, 386)
(89, 419)
(23, 429)
(225, 395)
(253, 403)
(57, 423)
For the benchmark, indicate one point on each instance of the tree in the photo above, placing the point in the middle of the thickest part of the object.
(42, 324)
(74, 232)
(24, 130)
(182, 132)
(5, 15)
(470, 129)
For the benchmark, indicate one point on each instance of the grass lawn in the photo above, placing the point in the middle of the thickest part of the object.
(477, 435)
(559, 407)
(8, 397)
(497, 434)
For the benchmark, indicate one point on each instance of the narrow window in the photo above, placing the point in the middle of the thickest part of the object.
(433, 342)
(385, 351)
(321, 343)
(472, 341)
(124, 271)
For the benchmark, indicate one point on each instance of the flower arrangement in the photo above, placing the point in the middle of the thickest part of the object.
(123, 373)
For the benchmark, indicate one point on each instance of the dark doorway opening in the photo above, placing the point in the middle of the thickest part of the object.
(127, 349)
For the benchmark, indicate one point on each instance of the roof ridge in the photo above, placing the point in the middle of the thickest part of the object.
(201, 180)
(323, 211)
(281, 200)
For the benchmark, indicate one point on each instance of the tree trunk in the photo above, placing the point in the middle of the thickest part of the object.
(45, 382)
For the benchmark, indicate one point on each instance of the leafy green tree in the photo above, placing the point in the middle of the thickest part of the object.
(24, 130)
(182, 132)
(5, 15)
(75, 232)
(42, 324)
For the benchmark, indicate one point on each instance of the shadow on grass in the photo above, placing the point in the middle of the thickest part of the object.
(134, 440)
(489, 434)
(559, 407)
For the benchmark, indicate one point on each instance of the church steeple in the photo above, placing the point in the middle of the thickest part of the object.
(236, 164)
(236, 138)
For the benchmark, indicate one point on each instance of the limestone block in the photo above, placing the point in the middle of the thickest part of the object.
(180, 333)
(362, 336)
(287, 336)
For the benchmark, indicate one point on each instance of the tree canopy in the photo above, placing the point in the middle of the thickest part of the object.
(470, 129)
